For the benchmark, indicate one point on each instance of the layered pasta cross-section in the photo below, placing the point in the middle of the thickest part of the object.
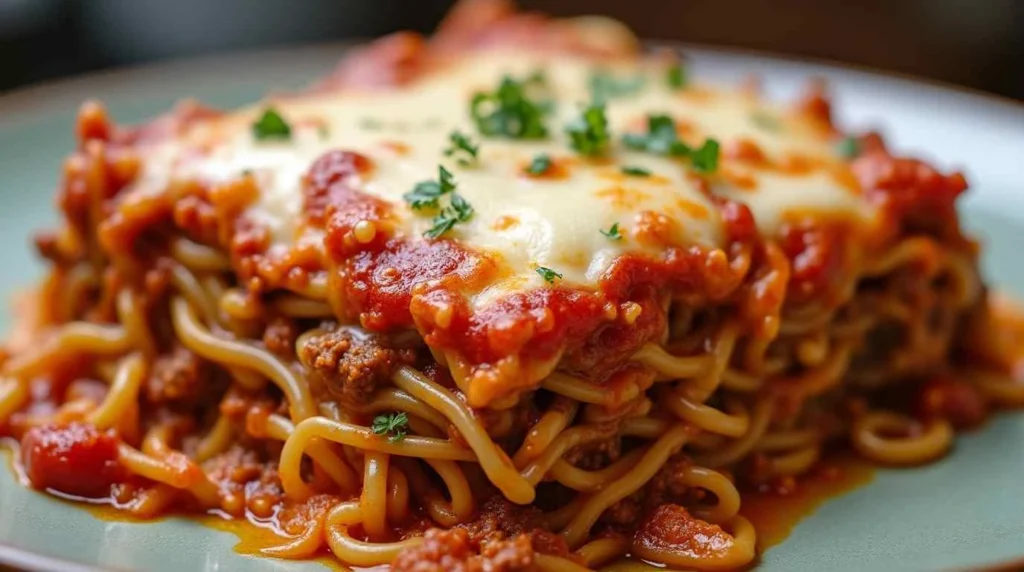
(517, 297)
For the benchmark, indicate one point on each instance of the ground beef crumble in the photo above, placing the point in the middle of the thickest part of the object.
(503, 537)
(499, 518)
(279, 336)
(350, 366)
(666, 486)
(453, 551)
(176, 376)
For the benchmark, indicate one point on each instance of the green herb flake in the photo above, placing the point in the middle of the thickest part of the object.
(635, 171)
(675, 76)
(588, 133)
(427, 194)
(458, 211)
(461, 145)
(394, 425)
(705, 159)
(604, 85)
(548, 274)
(848, 148)
(509, 111)
(271, 125)
(766, 121)
(540, 164)
(613, 232)
(662, 139)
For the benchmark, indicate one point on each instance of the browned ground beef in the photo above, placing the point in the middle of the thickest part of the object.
(176, 376)
(350, 366)
(453, 551)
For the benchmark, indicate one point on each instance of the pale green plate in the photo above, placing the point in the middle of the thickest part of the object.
(964, 512)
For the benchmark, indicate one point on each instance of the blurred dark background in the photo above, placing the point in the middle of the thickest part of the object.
(976, 43)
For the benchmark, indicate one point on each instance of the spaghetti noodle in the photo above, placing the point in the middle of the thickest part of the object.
(557, 351)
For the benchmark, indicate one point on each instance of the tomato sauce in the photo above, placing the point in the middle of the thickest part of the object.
(774, 513)
(379, 285)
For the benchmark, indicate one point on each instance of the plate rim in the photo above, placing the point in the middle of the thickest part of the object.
(25, 559)
(25, 104)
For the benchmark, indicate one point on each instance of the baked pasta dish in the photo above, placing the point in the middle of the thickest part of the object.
(517, 297)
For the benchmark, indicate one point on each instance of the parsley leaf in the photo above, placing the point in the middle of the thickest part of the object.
(635, 171)
(588, 133)
(613, 232)
(675, 77)
(540, 164)
(394, 425)
(604, 86)
(461, 144)
(509, 112)
(662, 139)
(427, 194)
(705, 159)
(848, 148)
(458, 211)
(271, 125)
(548, 274)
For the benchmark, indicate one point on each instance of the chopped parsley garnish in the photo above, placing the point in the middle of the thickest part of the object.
(394, 425)
(604, 86)
(705, 159)
(765, 121)
(540, 164)
(635, 171)
(548, 274)
(848, 147)
(588, 133)
(509, 112)
(613, 232)
(675, 76)
(460, 144)
(427, 194)
(271, 125)
(662, 139)
(458, 211)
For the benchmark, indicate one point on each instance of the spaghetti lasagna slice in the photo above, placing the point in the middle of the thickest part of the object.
(518, 294)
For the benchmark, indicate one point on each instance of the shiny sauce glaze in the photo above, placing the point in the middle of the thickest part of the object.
(774, 512)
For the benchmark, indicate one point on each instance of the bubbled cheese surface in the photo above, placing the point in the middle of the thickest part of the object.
(528, 222)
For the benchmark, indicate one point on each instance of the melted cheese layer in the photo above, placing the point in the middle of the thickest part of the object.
(523, 221)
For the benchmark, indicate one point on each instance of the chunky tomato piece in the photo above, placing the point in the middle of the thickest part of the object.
(77, 459)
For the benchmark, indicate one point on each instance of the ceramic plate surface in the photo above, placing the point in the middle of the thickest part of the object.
(963, 512)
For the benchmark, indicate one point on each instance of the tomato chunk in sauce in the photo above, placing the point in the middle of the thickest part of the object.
(76, 459)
